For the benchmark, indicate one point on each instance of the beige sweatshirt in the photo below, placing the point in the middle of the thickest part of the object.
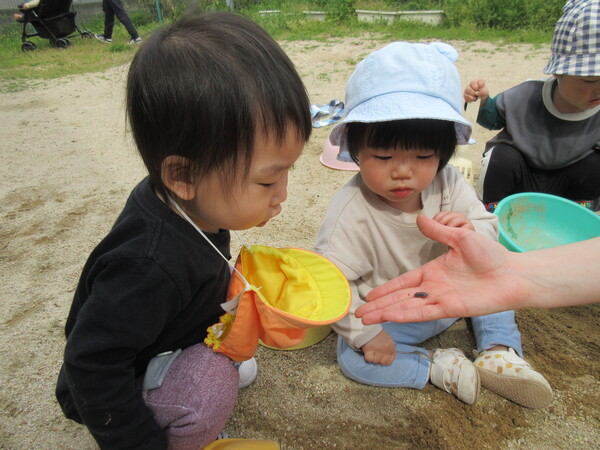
(371, 242)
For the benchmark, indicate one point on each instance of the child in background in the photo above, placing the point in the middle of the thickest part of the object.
(401, 125)
(219, 115)
(550, 138)
(24, 7)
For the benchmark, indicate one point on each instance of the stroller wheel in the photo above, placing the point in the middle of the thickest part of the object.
(62, 43)
(87, 34)
(28, 46)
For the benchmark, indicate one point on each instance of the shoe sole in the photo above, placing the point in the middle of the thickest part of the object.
(477, 390)
(527, 393)
(248, 382)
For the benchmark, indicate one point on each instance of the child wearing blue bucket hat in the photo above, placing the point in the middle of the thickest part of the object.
(401, 124)
(550, 129)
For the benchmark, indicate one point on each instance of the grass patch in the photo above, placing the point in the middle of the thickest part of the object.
(18, 69)
(400, 30)
(387, 5)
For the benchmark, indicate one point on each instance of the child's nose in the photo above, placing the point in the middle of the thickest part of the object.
(401, 171)
(280, 194)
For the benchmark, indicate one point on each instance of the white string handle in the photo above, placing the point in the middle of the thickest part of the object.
(186, 217)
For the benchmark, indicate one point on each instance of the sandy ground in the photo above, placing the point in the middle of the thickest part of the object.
(67, 167)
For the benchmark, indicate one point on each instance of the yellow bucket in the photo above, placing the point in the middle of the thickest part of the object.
(313, 336)
(242, 444)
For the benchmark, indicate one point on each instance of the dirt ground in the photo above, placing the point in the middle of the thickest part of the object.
(67, 167)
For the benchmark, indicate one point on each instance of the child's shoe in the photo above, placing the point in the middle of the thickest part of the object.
(506, 374)
(454, 373)
(248, 371)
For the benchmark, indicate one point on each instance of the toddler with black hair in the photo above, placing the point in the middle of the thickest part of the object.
(219, 116)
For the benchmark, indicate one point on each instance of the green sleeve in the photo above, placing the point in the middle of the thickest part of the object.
(489, 116)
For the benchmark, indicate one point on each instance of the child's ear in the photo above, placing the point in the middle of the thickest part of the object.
(176, 176)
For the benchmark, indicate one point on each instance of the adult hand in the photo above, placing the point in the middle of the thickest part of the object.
(469, 280)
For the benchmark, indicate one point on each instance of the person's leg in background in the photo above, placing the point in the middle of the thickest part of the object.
(109, 18)
(119, 10)
(109, 22)
(581, 181)
(505, 171)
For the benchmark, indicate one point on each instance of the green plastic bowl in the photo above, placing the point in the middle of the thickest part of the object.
(533, 221)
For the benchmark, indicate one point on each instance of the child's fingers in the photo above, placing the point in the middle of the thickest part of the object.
(451, 219)
(461, 222)
(378, 358)
(456, 222)
(469, 98)
(443, 217)
(469, 94)
(475, 90)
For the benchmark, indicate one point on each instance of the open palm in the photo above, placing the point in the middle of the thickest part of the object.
(469, 280)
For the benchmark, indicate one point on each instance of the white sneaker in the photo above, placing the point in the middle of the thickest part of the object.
(454, 373)
(248, 371)
(508, 375)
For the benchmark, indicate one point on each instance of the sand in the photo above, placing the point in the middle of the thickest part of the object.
(68, 165)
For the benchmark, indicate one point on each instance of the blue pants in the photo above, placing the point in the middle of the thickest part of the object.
(411, 367)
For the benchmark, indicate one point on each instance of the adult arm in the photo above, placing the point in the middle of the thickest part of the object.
(479, 276)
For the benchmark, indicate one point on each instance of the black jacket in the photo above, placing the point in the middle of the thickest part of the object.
(152, 285)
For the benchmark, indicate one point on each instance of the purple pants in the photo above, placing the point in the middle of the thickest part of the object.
(196, 398)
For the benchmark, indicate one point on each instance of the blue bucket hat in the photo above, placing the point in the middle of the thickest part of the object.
(576, 42)
(405, 81)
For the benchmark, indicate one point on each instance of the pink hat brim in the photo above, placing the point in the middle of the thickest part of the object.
(329, 158)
